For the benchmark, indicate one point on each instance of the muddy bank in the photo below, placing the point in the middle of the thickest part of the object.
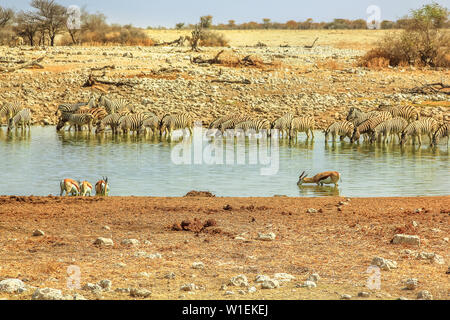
(334, 237)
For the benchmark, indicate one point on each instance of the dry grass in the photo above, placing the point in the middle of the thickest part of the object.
(345, 39)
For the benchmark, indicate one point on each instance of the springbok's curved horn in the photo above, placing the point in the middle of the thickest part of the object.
(301, 176)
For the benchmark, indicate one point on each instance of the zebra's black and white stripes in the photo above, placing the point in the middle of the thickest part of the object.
(302, 124)
(441, 132)
(342, 129)
(418, 128)
(22, 119)
(169, 123)
(10, 109)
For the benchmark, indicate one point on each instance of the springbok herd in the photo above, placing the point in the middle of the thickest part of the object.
(380, 125)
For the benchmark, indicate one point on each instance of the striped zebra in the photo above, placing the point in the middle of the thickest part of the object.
(231, 124)
(283, 124)
(216, 123)
(418, 128)
(152, 124)
(169, 123)
(98, 113)
(356, 116)
(440, 133)
(388, 128)
(75, 120)
(368, 126)
(258, 126)
(112, 105)
(74, 107)
(302, 124)
(22, 119)
(112, 120)
(134, 122)
(10, 109)
(409, 113)
(342, 129)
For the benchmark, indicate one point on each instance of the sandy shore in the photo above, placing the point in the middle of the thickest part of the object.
(337, 240)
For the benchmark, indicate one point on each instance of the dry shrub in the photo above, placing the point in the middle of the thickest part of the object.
(213, 39)
(112, 35)
(229, 59)
(330, 64)
(410, 48)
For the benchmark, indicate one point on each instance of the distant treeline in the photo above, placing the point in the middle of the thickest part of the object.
(309, 24)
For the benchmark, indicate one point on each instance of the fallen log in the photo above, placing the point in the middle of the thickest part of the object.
(430, 88)
(246, 81)
(32, 63)
(200, 60)
(93, 82)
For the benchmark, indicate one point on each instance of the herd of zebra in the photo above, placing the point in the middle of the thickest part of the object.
(381, 124)
(388, 122)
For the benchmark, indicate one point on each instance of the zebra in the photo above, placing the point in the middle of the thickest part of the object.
(283, 124)
(98, 113)
(152, 124)
(111, 120)
(259, 125)
(418, 128)
(112, 105)
(356, 116)
(216, 123)
(76, 120)
(169, 123)
(409, 113)
(134, 122)
(368, 126)
(443, 131)
(341, 128)
(389, 127)
(22, 118)
(10, 109)
(231, 124)
(302, 124)
(74, 107)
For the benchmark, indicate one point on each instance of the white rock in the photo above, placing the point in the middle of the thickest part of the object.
(239, 281)
(92, 287)
(309, 284)
(346, 297)
(12, 286)
(424, 295)
(251, 290)
(314, 277)
(170, 275)
(412, 284)
(48, 294)
(432, 257)
(104, 242)
(198, 265)
(38, 233)
(406, 239)
(266, 237)
(140, 293)
(283, 277)
(188, 287)
(384, 264)
(270, 284)
(130, 242)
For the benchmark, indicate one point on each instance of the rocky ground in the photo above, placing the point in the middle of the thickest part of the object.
(323, 82)
(200, 247)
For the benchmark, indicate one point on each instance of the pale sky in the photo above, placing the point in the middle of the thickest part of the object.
(143, 13)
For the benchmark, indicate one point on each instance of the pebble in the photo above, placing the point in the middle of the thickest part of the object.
(266, 237)
(239, 281)
(270, 284)
(424, 295)
(384, 264)
(104, 242)
(140, 293)
(198, 265)
(411, 284)
(38, 233)
(406, 239)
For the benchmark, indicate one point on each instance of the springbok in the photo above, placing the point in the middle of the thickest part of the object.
(69, 186)
(85, 188)
(328, 177)
(102, 187)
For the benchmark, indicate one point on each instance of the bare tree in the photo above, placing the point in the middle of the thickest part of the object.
(27, 25)
(6, 15)
(52, 16)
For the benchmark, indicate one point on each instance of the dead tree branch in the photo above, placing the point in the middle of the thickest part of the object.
(311, 46)
(214, 60)
(24, 65)
(430, 88)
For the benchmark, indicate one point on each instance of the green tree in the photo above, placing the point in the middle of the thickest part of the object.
(179, 25)
(206, 22)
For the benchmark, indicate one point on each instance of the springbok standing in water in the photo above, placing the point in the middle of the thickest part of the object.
(328, 177)
(102, 187)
